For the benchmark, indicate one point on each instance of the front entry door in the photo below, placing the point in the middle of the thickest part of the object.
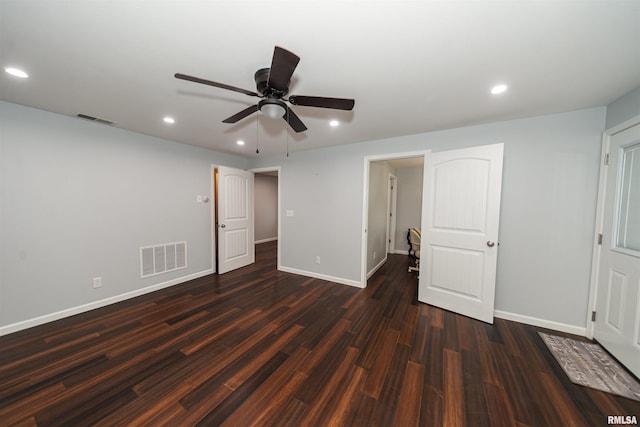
(236, 246)
(617, 324)
(459, 247)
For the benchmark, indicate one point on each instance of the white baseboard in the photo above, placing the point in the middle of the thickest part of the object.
(29, 323)
(270, 239)
(340, 280)
(376, 268)
(541, 323)
(401, 252)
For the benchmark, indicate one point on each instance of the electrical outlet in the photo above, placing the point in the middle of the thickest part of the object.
(375, 255)
(317, 260)
(97, 282)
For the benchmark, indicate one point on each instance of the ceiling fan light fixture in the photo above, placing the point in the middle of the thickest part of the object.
(273, 110)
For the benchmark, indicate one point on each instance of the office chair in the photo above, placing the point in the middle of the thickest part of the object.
(413, 236)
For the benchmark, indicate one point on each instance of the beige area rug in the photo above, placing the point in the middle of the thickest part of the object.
(587, 364)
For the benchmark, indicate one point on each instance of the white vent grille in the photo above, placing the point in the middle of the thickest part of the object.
(163, 258)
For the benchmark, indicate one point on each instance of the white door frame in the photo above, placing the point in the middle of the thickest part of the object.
(365, 201)
(599, 225)
(392, 209)
(279, 170)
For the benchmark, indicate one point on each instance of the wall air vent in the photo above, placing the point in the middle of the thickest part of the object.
(163, 258)
(94, 119)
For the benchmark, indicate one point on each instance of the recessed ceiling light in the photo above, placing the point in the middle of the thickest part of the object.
(498, 89)
(169, 120)
(240, 142)
(334, 123)
(16, 72)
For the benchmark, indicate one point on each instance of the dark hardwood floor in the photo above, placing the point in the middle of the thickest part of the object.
(261, 347)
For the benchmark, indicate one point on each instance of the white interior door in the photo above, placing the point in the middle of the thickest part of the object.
(617, 324)
(236, 246)
(460, 219)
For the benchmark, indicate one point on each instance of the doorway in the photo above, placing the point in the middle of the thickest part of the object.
(460, 219)
(615, 318)
(394, 204)
(267, 221)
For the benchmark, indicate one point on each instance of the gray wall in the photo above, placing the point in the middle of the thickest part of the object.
(623, 108)
(265, 196)
(78, 200)
(549, 191)
(324, 191)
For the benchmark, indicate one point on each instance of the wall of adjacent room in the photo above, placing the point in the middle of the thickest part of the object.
(265, 195)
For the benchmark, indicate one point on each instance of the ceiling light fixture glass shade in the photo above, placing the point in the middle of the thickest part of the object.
(272, 108)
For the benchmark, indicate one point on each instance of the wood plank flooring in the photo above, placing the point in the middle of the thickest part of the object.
(259, 347)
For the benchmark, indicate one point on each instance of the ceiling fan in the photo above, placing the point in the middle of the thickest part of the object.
(272, 86)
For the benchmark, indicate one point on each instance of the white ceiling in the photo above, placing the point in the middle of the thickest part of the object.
(412, 67)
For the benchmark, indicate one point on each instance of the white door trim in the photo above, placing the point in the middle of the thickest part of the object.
(365, 201)
(212, 216)
(279, 170)
(392, 210)
(598, 229)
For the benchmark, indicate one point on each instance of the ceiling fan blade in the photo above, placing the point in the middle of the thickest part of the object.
(294, 121)
(319, 101)
(241, 115)
(282, 66)
(216, 84)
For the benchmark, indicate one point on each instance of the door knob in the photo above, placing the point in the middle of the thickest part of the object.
(490, 243)
(222, 226)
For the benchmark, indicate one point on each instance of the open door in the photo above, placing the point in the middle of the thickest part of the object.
(617, 317)
(234, 218)
(460, 219)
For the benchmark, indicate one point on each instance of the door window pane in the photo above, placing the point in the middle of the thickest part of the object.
(628, 233)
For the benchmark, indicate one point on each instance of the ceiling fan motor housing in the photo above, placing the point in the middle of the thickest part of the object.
(262, 77)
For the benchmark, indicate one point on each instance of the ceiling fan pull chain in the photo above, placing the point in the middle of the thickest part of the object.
(257, 142)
